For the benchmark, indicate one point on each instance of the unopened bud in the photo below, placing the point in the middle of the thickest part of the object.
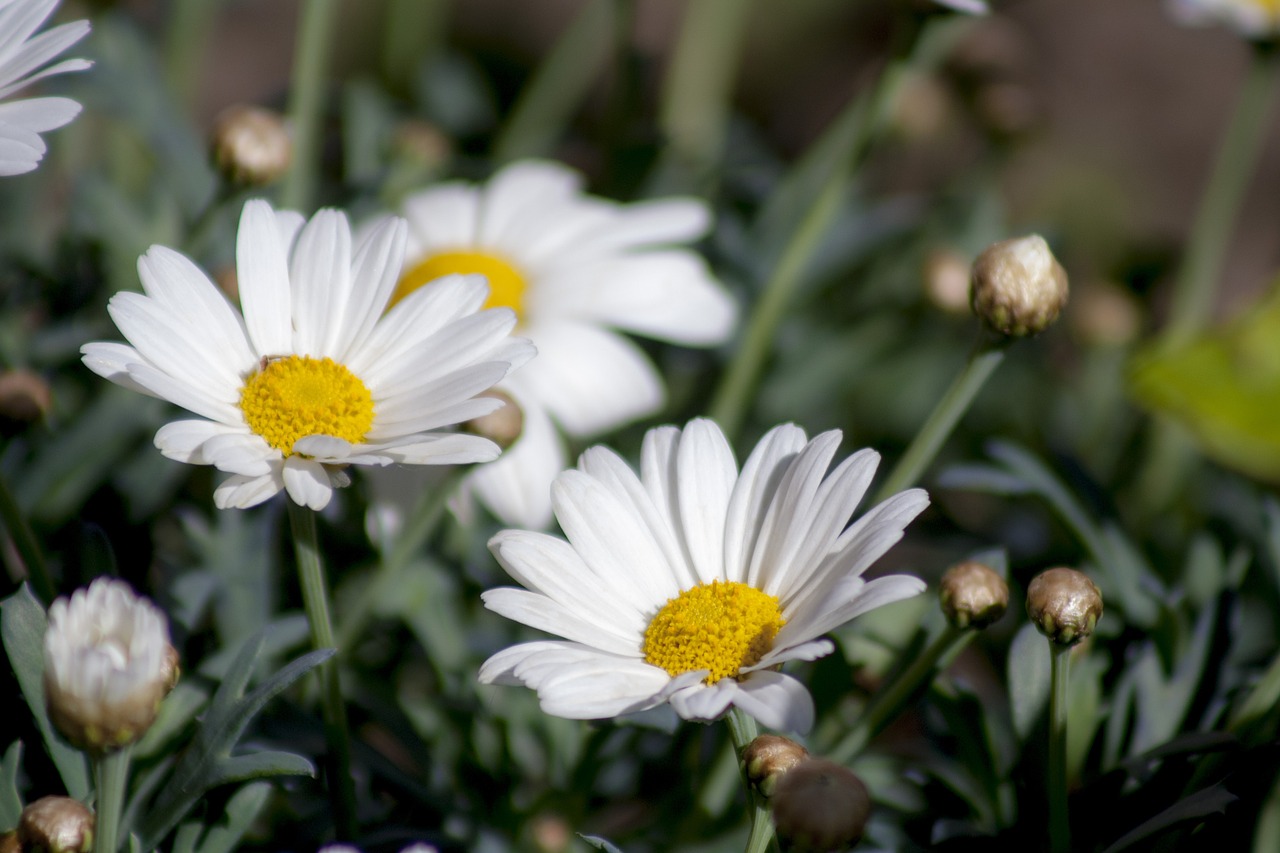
(9, 842)
(768, 758)
(1064, 604)
(1018, 287)
(973, 595)
(24, 398)
(820, 806)
(56, 825)
(501, 426)
(252, 145)
(422, 143)
(946, 280)
(1105, 315)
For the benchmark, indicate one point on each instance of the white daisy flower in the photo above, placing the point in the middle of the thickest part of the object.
(21, 55)
(574, 268)
(107, 664)
(1251, 18)
(692, 583)
(313, 376)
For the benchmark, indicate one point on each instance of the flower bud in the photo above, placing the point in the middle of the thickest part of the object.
(501, 426)
(24, 398)
(973, 595)
(422, 143)
(820, 806)
(108, 664)
(1064, 604)
(9, 842)
(252, 145)
(946, 280)
(1018, 287)
(768, 758)
(1105, 315)
(56, 825)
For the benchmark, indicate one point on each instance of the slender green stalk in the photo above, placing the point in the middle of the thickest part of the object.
(15, 521)
(1059, 823)
(315, 600)
(417, 527)
(306, 100)
(185, 44)
(743, 730)
(891, 698)
(413, 35)
(924, 447)
(111, 779)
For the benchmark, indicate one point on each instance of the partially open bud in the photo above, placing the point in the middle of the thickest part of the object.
(252, 145)
(108, 664)
(820, 806)
(768, 758)
(56, 825)
(1018, 287)
(973, 595)
(502, 426)
(1064, 604)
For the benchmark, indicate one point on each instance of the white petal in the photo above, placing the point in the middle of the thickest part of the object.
(753, 494)
(239, 492)
(517, 486)
(834, 611)
(703, 702)
(778, 701)
(39, 114)
(111, 361)
(307, 482)
(263, 273)
(705, 476)
(545, 614)
(446, 216)
(320, 281)
(374, 273)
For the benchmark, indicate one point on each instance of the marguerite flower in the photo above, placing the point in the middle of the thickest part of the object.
(574, 268)
(692, 583)
(1252, 18)
(313, 376)
(21, 55)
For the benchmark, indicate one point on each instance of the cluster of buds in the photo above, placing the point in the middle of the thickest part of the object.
(817, 805)
(108, 664)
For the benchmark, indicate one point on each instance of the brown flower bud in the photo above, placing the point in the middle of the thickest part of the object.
(973, 595)
(820, 806)
(1064, 604)
(9, 842)
(252, 145)
(24, 398)
(768, 758)
(501, 426)
(946, 280)
(1105, 315)
(56, 825)
(1018, 287)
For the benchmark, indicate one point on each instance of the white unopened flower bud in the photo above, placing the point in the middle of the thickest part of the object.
(768, 758)
(973, 595)
(1064, 604)
(108, 664)
(252, 145)
(56, 825)
(502, 426)
(1018, 287)
(820, 806)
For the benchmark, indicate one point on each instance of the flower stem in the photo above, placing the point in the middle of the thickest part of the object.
(111, 778)
(310, 58)
(924, 447)
(891, 698)
(15, 521)
(1059, 824)
(743, 730)
(315, 600)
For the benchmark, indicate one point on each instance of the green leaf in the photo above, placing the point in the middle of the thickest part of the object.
(1164, 703)
(1195, 807)
(600, 844)
(10, 798)
(22, 624)
(242, 809)
(259, 765)
(1028, 678)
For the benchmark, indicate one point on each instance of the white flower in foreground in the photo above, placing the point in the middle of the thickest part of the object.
(574, 268)
(973, 7)
(314, 376)
(1251, 18)
(21, 55)
(107, 665)
(691, 583)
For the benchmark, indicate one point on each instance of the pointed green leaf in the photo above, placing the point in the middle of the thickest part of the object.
(242, 809)
(1028, 678)
(10, 798)
(599, 843)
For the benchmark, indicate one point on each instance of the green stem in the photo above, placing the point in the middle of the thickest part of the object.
(185, 47)
(306, 99)
(15, 521)
(743, 730)
(954, 403)
(891, 698)
(315, 600)
(1059, 823)
(417, 528)
(111, 778)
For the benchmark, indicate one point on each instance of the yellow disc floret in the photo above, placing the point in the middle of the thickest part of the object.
(506, 283)
(297, 396)
(722, 626)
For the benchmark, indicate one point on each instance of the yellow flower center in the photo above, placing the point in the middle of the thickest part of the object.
(720, 626)
(296, 396)
(506, 283)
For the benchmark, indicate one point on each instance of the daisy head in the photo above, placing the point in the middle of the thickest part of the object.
(578, 270)
(1257, 19)
(313, 374)
(692, 583)
(22, 53)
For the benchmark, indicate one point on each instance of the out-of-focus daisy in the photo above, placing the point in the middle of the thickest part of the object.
(692, 583)
(21, 55)
(313, 376)
(574, 268)
(1252, 18)
(107, 664)
(973, 7)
